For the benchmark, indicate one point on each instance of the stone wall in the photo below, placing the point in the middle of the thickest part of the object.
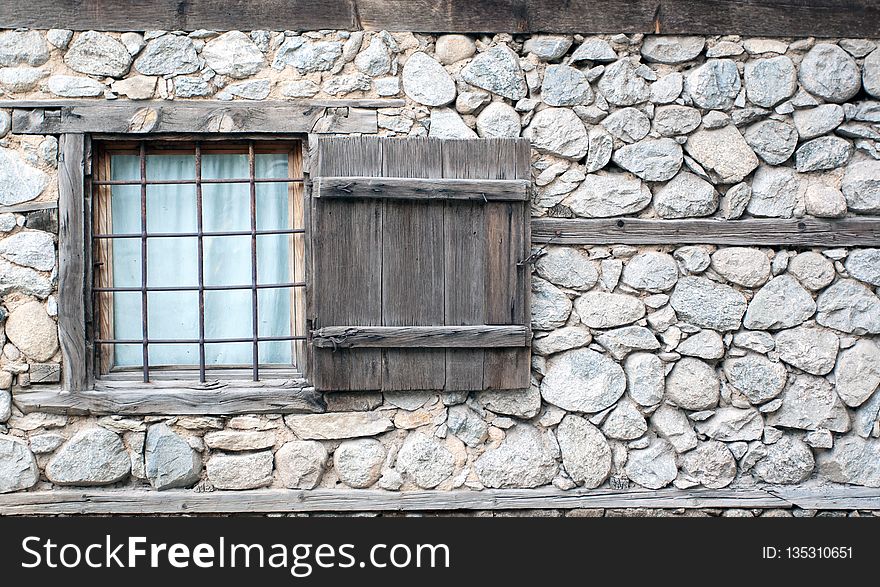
(653, 366)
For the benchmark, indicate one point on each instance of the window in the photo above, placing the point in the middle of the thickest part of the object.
(198, 253)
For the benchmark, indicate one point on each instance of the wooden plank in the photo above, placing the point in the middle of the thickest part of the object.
(192, 117)
(29, 207)
(413, 266)
(144, 399)
(475, 336)
(507, 281)
(835, 497)
(130, 15)
(478, 190)
(71, 268)
(363, 103)
(263, 501)
(347, 256)
(804, 232)
(103, 223)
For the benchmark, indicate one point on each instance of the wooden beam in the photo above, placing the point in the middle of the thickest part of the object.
(133, 501)
(316, 103)
(476, 190)
(29, 207)
(71, 261)
(147, 398)
(778, 18)
(420, 336)
(805, 232)
(153, 117)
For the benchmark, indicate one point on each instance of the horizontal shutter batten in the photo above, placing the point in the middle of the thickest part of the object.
(421, 189)
(421, 336)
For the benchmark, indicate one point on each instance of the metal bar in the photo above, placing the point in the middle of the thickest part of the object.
(252, 172)
(195, 234)
(196, 340)
(146, 352)
(292, 284)
(194, 182)
(201, 261)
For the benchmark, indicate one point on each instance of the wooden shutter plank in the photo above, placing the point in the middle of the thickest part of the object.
(473, 336)
(348, 277)
(413, 267)
(481, 190)
(505, 287)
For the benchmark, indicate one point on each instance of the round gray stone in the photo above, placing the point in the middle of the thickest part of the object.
(233, 54)
(693, 385)
(770, 81)
(525, 458)
(550, 306)
(772, 140)
(756, 377)
(645, 378)
(358, 463)
(711, 464)
(425, 460)
(810, 403)
(871, 74)
(671, 49)
(498, 121)
(675, 120)
(830, 72)
(814, 270)
(170, 460)
(169, 55)
(18, 468)
(568, 267)
(586, 455)
(782, 303)
(607, 310)
(789, 461)
(707, 304)
(651, 159)
(775, 192)
(622, 85)
(809, 348)
(582, 380)
(604, 195)
(857, 375)
(815, 122)
(627, 124)
(497, 70)
(564, 85)
(653, 467)
(849, 306)
(861, 264)
(714, 85)
(822, 154)
(742, 265)
(95, 53)
(861, 187)
(300, 464)
(686, 196)
(94, 456)
(426, 81)
(651, 271)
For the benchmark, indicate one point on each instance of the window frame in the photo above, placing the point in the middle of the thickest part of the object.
(99, 239)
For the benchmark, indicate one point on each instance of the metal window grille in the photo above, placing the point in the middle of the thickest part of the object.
(144, 148)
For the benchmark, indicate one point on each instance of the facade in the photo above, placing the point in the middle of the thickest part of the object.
(689, 308)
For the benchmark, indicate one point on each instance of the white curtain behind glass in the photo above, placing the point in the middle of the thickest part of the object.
(227, 260)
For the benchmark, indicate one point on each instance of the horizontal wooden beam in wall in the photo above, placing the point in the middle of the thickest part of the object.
(29, 207)
(142, 399)
(806, 232)
(823, 18)
(421, 336)
(421, 189)
(317, 102)
(156, 117)
(264, 501)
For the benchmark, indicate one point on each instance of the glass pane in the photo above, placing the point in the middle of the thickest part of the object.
(172, 262)
(127, 325)
(239, 354)
(173, 315)
(229, 314)
(171, 208)
(273, 310)
(273, 259)
(228, 260)
(226, 206)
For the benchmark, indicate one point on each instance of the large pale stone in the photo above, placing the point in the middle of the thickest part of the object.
(30, 248)
(566, 267)
(426, 81)
(564, 85)
(137, 87)
(609, 194)
(622, 85)
(667, 89)
(240, 440)
(339, 425)
(600, 149)
(674, 120)
(548, 47)
(810, 403)
(32, 331)
(627, 124)
(19, 181)
(861, 187)
(498, 71)
(861, 264)
(788, 461)
(645, 378)
(525, 458)
(240, 471)
(686, 196)
(582, 380)
(498, 120)
(849, 306)
(425, 460)
(550, 306)
(94, 456)
(815, 122)
(830, 72)
(467, 425)
(169, 55)
(586, 455)
(775, 192)
(741, 265)
(674, 425)
(300, 464)
(558, 131)
(20, 79)
(14, 278)
(233, 54)
(705, 344)
(723, 153)
(770, 81)
(607, 310)
(375, 60)
(733, 425)
(21, 47)
(453, 48)
(651, 159)
(693, 385)
(822, 154)
(522, 403)
(773, 141)
(95, 53)
(18, 468)
(714, 85)
(711, 464)
(624, 422)
(447, 124)
(651, 271)
(170, 460)
(562, 339)
(871, 74)
(707, 304)
(852, 460)
(809, 348)
(815, 271)
(593, 49)
(671, 50)
(622, 341)
(653, 467)
(824, 201)
(782, 303)
(858, 372)
(358, 463)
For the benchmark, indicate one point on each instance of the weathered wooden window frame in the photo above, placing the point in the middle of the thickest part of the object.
(77, 122)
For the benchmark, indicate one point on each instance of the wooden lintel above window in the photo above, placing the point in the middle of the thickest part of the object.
(821, 18)
(212, 116)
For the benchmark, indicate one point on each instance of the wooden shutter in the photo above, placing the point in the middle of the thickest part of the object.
(418, 249)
